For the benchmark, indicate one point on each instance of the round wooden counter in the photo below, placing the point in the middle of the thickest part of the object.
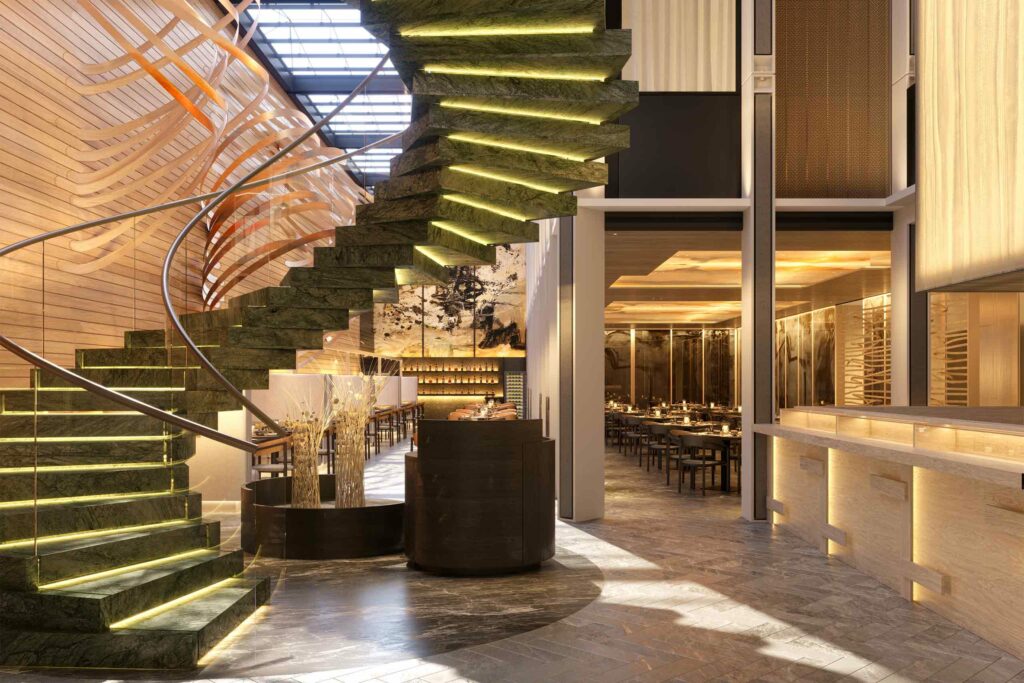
(480, 497)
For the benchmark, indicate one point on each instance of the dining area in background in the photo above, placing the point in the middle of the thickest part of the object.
(691, 440)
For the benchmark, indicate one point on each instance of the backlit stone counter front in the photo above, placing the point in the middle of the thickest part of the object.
(931, 505)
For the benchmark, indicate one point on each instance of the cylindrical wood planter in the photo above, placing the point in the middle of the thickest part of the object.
(272, 527)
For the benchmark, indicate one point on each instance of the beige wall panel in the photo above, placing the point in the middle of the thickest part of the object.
(799, 472)
(971, 140)
(681, 45)
(876, 521)
(956, 533)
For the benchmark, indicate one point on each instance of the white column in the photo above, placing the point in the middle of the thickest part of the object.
(588, 366)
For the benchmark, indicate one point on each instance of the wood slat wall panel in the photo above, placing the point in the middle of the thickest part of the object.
(46, 113)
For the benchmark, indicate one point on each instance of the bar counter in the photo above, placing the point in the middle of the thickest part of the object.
(930, 505)
(480, 497)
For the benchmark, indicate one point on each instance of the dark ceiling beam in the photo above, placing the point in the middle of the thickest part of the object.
(622, 221)
(833, 220)
(340, 85)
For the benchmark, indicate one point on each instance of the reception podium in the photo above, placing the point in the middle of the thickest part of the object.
(480, 497)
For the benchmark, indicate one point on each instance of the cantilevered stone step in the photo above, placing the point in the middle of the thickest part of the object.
(181, 357)
(118, 378)
(518, 202)
(24, 484)
(207, 401)
(201, 380)
(411, 17)
(535, 171)
(94, 602)
(52, 451)
(443, 210)
(100, 450)
(17, 523)
(25, 566)
(173, 639)
(308, 297)
(269, 316)
(567, 139)
(342, 278)
(235, 337)
(72, 399)
(447, 247)
(596, 101)
(420, 233)
(28, 424)
(599, 55)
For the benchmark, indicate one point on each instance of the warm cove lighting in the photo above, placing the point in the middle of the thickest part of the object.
(67, 583)
(483, 206)
(548, 30)
(85, 499)
(60, 538)
(167, 606)
(517, 111)
(514, 73)
(456, 230)
(505, 178)
(471, 139)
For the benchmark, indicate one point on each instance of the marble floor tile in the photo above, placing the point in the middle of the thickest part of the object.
(666, 587)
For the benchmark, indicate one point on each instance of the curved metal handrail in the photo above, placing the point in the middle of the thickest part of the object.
(172, 251)
(245, 184)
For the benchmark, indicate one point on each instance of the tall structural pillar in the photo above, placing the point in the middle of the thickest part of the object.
(758, 332)
(581, 352)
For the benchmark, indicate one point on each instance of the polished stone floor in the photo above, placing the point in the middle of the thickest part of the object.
(670, 587)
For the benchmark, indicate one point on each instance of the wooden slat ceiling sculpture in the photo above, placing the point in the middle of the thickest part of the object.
(241, 126)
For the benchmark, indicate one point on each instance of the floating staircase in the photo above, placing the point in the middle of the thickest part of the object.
(104, 558)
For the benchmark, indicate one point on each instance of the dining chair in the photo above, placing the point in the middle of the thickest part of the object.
(697, 453)
(659, 446)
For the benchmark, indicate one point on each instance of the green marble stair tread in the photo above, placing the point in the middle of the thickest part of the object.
(385, 296)
(441, 209)
(347, 278)
(522, 202)
(236, 337)
(72, 399)
(175, 639)
(118, 378)
(23, 425)
(307, 297)
(179, 357)
(408, 16)
(24, 522)
(591, 100)
(531, 170)
(44, 484)
(210, 400)
(419, 233)
(95, 604)
(600, 54)
(201, 380)
(570, 139)
(456, 249)
(268, 316)
(26, 566)
(49, 451)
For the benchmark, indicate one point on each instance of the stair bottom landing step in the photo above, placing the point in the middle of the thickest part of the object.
(175, 638)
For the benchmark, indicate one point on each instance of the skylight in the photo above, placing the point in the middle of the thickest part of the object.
(320, 52)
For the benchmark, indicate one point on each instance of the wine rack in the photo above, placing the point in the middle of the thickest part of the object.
(457, 376)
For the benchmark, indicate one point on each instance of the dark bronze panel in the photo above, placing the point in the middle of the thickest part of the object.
(833, 89)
